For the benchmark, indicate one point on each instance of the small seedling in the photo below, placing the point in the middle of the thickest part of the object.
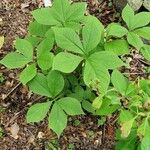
(1, 78)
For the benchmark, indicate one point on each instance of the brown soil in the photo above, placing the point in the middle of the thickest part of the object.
(16, 99)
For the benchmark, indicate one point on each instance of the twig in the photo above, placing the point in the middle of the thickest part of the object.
(12, 90)
(144, 62)
(39, 98)
(135, 73)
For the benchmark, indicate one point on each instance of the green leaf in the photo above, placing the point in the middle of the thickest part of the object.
(114, 96)
(88, 106)
(14, 60)
(45, 61)
(141, 19)
(70, 105)
(68, 39)
(44, 57)
(45, 16)
(33, 40)
(128, 16)
(115, 29)
(45, 46)
(24, 47)
(107, 107)
(57, 119)
(37, 29)
(145, 50)
(125, 116)
(96, 77)
(39, 85)
(143, 32)
(108, 60)
(74, 25)
(76, 12)
(55, 82)
(145, 86)
(66, 62)
(28, 74)
(38, 112)
(97, 103)
(144, 128)
(134, 40)
(78, 93)
(145, 144)
(128, 143)
(119, 47)
(126, 127)
(132, 89)
(119, 81)
(60, 8)
(91, 33)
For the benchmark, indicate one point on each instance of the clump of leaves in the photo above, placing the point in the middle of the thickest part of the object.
(68, 56)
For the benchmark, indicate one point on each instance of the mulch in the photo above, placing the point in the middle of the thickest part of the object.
(16, 99)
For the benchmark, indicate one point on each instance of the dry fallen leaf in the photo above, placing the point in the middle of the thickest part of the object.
(1, 41)
(14, 129)
(40, 135)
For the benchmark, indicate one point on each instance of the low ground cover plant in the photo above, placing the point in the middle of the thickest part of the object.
(75, 62)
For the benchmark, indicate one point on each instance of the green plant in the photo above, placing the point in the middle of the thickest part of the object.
(68, 57)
